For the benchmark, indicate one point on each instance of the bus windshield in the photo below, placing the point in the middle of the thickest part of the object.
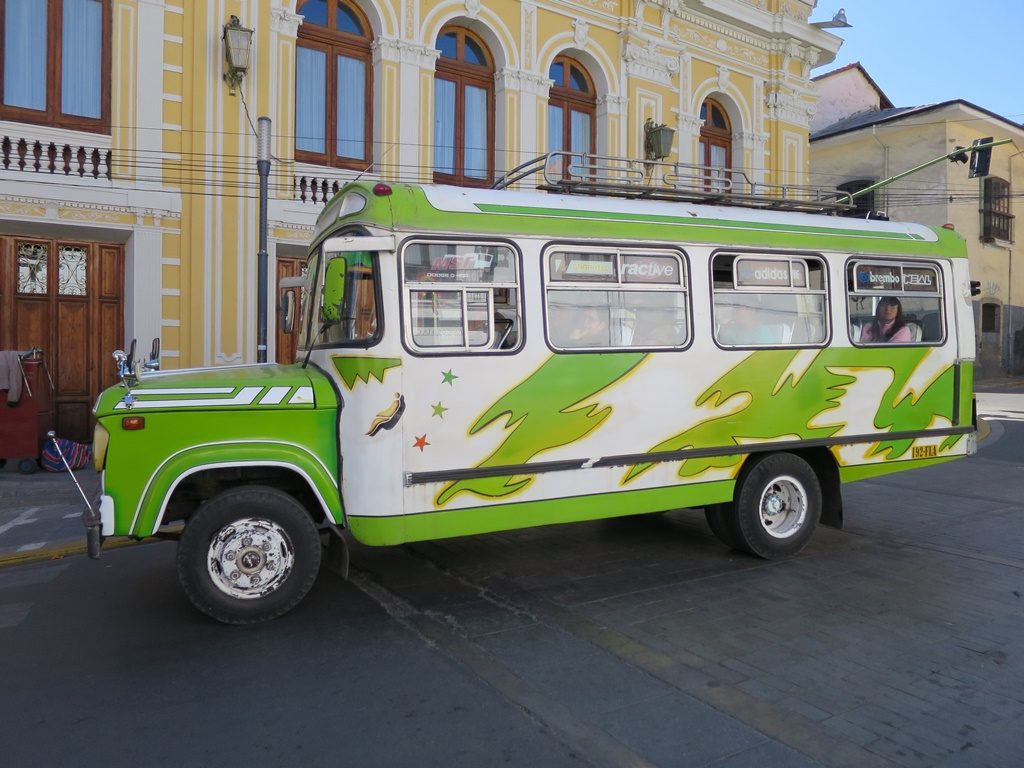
(358, 320)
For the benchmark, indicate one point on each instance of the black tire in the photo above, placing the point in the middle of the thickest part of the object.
(778, 505)
(271, 538)
(28, 466)
(719, 517)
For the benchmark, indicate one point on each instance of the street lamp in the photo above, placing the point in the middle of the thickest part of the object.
(657, 140)
(237, 41)
(837, 22)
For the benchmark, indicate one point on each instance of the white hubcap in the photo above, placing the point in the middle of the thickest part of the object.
(250, 558)
(783, 507)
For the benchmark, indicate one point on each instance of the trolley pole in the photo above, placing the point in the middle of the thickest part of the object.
(263, 169)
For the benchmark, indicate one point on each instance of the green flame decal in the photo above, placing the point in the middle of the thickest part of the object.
(353, 369)
(776, 399)
(553, 407)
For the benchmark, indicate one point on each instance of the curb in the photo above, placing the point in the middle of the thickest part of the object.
(61, 551)
(984, 430)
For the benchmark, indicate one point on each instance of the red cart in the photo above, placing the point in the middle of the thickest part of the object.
(24, 424)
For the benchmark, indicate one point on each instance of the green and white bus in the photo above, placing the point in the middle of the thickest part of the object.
(475, 360)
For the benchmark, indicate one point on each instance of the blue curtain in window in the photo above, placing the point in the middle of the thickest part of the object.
(82, 36)
(351, 107)
(310, 100)
(476, 132)
(555, 132)
(444, 126)
(25, 53)
(556, 139)
(579, 140)
(580, 129)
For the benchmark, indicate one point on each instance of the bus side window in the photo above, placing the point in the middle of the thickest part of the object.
(461, 296)
(616, 299)
(769, 300)
(894, 302)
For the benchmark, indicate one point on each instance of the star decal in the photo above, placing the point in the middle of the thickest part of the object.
(439, 410)
(448, 378)
(421, 443)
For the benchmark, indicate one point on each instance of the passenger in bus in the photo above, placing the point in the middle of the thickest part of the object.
(590, 328)
(888, 324)
(658, 329)
(745, 328)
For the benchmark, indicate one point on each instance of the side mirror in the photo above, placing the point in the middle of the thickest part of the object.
(287, 303)
(130, 362)
(153, 363)
(334, 290)
(287, 309)
(120, 358)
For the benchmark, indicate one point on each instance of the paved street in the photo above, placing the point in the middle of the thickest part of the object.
(895, 642)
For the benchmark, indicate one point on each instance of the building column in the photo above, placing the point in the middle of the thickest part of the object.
(526, 135)
(143, 286)
(406, 135)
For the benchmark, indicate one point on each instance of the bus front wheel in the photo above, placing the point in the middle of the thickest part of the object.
(777, 506)
(248, 555)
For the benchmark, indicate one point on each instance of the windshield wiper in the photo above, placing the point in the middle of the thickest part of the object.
(312, 343)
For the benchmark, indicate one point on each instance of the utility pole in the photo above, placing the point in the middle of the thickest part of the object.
(263, 169)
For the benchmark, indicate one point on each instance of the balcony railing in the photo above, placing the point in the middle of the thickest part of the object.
(316, 189)
(996, 226)
(54, 158)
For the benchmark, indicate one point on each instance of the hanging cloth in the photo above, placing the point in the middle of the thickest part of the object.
(11, 376)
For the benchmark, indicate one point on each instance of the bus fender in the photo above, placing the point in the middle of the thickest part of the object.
(236, 454)
(825, 467)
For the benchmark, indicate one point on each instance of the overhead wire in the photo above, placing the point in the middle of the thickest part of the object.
(236, 171)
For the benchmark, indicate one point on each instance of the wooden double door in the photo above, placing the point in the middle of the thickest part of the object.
(65, 297)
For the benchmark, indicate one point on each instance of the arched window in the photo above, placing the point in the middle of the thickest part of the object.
(715, 144)
(333, 85)
(463, 109)
(572, 105)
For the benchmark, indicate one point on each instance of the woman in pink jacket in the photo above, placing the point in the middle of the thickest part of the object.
(888, 324)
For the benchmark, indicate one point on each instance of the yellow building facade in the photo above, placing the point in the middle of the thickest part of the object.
(146, 184)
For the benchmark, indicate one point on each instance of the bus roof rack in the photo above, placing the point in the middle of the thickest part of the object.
(584, 174)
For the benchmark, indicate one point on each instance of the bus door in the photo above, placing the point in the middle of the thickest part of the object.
(463, 334)
(351, 344)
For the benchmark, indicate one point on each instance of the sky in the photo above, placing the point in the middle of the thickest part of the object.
(924, 52)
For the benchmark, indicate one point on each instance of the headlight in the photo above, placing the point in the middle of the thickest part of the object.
(100, 440)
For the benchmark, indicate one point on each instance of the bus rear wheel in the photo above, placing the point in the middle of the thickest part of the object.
(777, 506)
(248, 555)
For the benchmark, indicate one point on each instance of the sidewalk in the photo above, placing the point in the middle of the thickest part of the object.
(40, 514)
(998, 382)
(45, 488)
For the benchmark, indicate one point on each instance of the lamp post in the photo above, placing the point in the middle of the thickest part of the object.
(263, 169)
